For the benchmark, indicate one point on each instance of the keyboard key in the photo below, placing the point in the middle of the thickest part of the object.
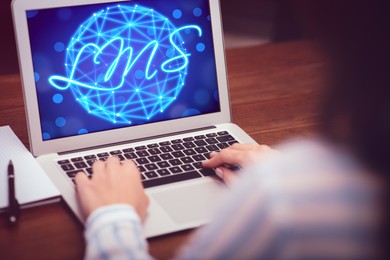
(67, 167)
(78, 159)
(140, 148)
(223, 133)
(212, 148)
(187, 160)
(175, 170)
(232, 142)
(151, 167)
(177, 147)
(151, 174)
(152, 145)
(80, 165)
(171, 179)
(130, 156)
(178, 154)
(121, 157)
(142, 153)
(189, 145)
(154, 151)
(72, 174)
(128, 150)
(165, 143)
(200, 143)
(63, 162)
(117, 152)
(187, 167)
(177, 141)
(188, 139)
(198, 137)
(163, 172)
(201, 150)
(198, 165)
(226, 138)
(100, 155)
(211, 135)
(166, 156)
(89, 170)
(166, 149)
(154, 158)
(142, 161)
(175, 162)
(212, 141)
(189, 152)
(90, 157)
(91, 162)
(163, 164)
(207, 172)
(141, 168)
(222, 145)
(199, 157)
(207, 155)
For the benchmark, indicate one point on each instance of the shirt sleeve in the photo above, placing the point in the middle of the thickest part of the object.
(115, 232)
(305, 204)
(242, 228)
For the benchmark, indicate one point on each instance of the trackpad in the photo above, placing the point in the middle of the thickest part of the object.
(191, 203)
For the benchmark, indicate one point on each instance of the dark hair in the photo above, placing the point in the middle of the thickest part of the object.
(355, 35)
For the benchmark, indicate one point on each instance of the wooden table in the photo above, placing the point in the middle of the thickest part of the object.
(274, 92)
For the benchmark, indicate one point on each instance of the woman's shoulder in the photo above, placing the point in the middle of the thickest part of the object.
(317, 191)
(314, 166)
(316, 155)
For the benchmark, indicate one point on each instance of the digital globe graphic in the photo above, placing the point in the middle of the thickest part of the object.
(125, 63)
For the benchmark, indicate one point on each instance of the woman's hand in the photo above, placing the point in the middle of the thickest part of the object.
(240, 155)
(112, 182)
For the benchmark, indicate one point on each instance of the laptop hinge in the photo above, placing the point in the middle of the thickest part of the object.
(138, 140)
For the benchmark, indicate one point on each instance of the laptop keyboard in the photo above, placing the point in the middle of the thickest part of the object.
(160, 163)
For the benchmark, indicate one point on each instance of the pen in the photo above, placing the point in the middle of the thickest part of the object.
(13, 205)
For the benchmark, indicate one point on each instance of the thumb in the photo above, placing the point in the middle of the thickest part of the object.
(227, 175)
(85, 194)
(81, 178)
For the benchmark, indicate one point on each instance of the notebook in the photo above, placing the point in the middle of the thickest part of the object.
(32, 186)
(133, 79)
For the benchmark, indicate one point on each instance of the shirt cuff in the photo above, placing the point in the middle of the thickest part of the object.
(107, 215)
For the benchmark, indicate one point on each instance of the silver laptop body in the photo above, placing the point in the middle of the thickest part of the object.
(108, 77)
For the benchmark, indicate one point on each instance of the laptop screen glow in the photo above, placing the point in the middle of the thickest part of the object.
(105, 66)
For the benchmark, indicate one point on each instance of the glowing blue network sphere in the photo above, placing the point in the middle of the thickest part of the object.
(125, 63)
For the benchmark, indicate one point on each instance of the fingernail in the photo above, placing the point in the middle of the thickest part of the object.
(219, 172)
(212, 154)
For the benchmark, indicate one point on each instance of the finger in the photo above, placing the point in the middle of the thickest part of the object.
(98, 169)
(129, 164)
(227, 175)
(113, 165)
(226, 156)
(130, 167)
(98, 166)
(85, 195)
(81, 179)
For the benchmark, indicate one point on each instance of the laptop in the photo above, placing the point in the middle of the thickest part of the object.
(142, 80)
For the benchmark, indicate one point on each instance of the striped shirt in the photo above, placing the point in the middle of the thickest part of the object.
(309, 202)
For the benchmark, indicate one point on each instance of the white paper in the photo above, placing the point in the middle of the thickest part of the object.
(31, 182)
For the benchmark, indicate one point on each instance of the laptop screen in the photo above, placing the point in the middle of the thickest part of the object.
(106, 66)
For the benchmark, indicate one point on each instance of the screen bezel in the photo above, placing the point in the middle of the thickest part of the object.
(66, 144)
